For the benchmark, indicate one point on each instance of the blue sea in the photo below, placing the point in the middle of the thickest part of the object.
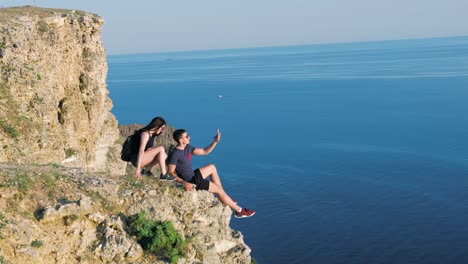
(349, 153)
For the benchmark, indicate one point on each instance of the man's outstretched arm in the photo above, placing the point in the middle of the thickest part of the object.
(207, 150)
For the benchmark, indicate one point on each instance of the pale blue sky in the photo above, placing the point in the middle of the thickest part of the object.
(158, 26)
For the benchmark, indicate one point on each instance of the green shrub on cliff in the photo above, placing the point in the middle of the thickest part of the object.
(69, 152)
(9, 129)
(157, 237)
(42, 26)
(3, 222)
(20, 180)
(37, 243)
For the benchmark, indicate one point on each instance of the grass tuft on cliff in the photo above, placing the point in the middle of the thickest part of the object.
(9, 129)
(157, 237)
(3, 222)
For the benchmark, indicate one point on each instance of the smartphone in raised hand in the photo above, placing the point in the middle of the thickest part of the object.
(217, 137)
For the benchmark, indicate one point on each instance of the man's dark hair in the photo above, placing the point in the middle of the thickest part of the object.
(178, 134)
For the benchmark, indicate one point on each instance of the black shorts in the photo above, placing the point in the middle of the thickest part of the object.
(200, 183)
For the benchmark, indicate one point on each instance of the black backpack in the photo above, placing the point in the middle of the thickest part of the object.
(130, 146)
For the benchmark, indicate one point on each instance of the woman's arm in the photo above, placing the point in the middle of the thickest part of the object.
(144, 137)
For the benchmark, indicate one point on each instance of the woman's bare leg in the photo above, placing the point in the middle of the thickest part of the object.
(153, 157)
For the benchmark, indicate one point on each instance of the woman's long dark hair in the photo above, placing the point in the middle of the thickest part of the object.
(157, 122)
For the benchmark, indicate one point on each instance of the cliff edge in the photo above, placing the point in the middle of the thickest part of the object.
(54, 214)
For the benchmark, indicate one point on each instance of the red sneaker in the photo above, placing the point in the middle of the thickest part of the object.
(244, 213)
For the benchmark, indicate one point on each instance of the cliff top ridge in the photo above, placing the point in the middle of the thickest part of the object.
(7, 13)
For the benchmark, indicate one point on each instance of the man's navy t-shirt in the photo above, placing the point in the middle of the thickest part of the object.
(182, 159)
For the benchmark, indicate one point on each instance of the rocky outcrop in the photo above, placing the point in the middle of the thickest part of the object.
(51, 214)
(54, 104)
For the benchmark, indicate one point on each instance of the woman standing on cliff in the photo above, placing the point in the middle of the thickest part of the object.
(147, 156)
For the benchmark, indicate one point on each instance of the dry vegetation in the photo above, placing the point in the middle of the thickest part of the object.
(6, 14)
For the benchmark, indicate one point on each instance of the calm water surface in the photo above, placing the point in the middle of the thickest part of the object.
(349, 153)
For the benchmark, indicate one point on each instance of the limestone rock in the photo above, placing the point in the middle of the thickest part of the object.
(115, 244)
(75, 219)
(54, 104)
(199, 215)
(74, 209)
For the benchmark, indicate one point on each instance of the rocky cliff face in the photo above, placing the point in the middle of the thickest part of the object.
(54, 104)
(64, 194)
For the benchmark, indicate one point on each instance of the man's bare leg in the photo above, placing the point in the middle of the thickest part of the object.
(223, 196)
(210, 170)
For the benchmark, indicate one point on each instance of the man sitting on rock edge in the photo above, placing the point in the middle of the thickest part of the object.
(180, 166)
